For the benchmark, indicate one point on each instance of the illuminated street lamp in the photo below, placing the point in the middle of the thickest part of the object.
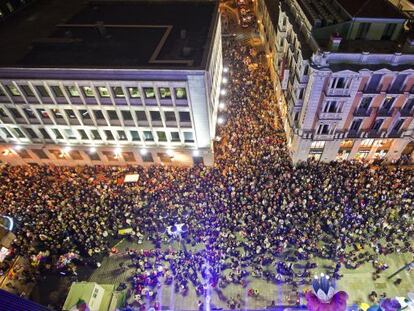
(143, 152)
(92, 150)
(18, 147)
(226, 69)
(196, 153)
(223, 92)
(170, 153)
(222, 106)
(220, 120)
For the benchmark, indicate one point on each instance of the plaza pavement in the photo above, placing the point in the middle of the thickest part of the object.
(357, 283)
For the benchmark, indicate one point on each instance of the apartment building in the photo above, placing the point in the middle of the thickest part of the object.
(111, 82)
(343, 72)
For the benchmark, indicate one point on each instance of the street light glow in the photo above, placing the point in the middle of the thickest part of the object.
(225, 69)
(196, 153)
(67, 149)
(170, 153)
(223, 92)
(222, 106)
(92, 150)
(220, 120)
(18, 147)
(117, 150)
(224, 80)
(143, 151)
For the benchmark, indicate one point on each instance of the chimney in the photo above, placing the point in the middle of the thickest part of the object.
(101, 28)
(335, 41)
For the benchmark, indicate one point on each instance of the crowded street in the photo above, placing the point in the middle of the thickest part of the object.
(251, 217)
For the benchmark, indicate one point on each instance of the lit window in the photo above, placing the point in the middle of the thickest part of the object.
(175, 136)
(135, 136)
(148, 136)
(317, 145)
(161, 136)
(367, 142)
(134, 92)
(27, 90)
(149, 92)
(103, 91)
(180, 93)
(188, 137)
(165, 92)
(42, 91)
(87, 90)
(122, 135)
(119, 92)
(73, 91)
(57, 90)
(13, 90)
(70, 134)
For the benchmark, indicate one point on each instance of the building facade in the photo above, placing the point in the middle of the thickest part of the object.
(56, 108)
(344, 76)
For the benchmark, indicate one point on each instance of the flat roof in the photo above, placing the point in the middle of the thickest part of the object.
(371, 9)
(110, 34)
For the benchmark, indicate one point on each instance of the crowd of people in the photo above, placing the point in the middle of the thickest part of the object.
(252, 214)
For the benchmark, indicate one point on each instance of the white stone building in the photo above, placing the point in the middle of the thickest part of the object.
(116, 83)
(344, 74)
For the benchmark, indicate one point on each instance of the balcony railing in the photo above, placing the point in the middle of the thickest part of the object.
(354, 134)
(338, 92)
(394, 134)
(376, 134)
(362, 112)
(385, 112)
(330, 116)
(406, 112)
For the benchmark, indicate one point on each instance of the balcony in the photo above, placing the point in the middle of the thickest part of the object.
(385, 112)
(338, 92)
(394, 134)
(362, 112)
(406, 113)
(330, 116)
(354, 134)
(376, 134)
(323, 136)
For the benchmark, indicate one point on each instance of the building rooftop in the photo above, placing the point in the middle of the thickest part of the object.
(371, 9)
(110, 34)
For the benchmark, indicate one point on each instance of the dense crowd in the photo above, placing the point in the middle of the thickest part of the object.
(252, 214)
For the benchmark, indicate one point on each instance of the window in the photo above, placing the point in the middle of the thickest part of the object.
(122, 135)
(148, 136)
(70, 134)
(40, 153)
(184, 116)
(355, 125)
(397, 126)
(15, 113)
(389, 100)
(109, 135)
(155, 116)
(83, 135)
(57, 113)
(409, 105)
(24, 154)
(73, 91)
(377, 124)
(331, 106)
(43, 113)
(165, 92)
(180, 93)
(118, 92)
(318, 145)
(169, 116)
(42, 91)
(27, 90)
(373, 84)
(85, 114)
(57, 90)
(134, 92)
(128, 156)
(103, 91)
(365, 102)
(112, 115)
(126, 115)
(95, 135)
(3, 114)
(98, 115)
(341, 83)
(388, 31)
(363, 31)
(44, 133)
(57, 133)
(31, 132)
(161, 136)
(141, 116)
(29, 113)
(188, 137)
(175, 136)
(147, 157)
(70, 113)
(75, 155)
(19, 133)
(94, 156)
(87, 90)
(13, 90)
(149, 92)
(135, 136)
(8, 134)
(323, 129)
(2, 93)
